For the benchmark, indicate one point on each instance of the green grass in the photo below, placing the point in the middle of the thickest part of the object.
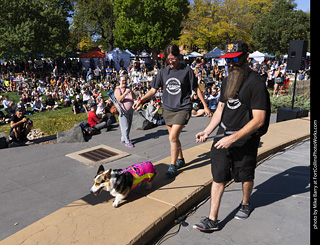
(50, 122)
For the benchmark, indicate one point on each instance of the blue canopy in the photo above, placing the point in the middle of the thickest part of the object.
(215, 53)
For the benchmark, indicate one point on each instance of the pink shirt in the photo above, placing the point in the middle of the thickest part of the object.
(127, 103)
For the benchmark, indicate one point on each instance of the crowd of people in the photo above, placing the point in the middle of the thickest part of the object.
(69, 84)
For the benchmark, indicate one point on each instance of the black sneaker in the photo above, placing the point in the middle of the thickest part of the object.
(207, 224)
(243, 212)
(180, 163)
(172, 172)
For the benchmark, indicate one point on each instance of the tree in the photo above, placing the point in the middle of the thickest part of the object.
(216, 22)
(94, 18)
(276, 28)
(148, 24)
(31, 28)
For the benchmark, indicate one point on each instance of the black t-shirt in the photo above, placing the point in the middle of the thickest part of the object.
(177, 87)
(197, 104)
(16, 119)
(50, 102)
(78, 105)
(252, 95)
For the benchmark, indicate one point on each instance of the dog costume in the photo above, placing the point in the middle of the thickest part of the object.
(141, 172)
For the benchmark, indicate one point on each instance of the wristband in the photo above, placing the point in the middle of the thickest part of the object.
(140, 100)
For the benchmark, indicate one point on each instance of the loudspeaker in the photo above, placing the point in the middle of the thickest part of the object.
(297, 54)
(288, 113)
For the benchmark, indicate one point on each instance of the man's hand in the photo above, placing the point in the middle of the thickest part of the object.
(225, 142)
(201, 137)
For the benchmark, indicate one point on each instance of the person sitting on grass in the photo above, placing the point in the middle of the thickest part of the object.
(50, 103)
(20, 126)
(37, 105)
(78, 106)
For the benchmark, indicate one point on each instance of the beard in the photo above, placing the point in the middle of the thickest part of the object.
(235, 79)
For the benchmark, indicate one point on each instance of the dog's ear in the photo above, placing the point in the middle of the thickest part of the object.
(100, 170)
(108, 174)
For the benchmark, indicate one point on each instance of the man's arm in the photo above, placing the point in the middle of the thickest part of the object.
(214, 122)
(14, 125)
(252, 126)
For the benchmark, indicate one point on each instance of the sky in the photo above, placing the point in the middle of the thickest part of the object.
(304, 5)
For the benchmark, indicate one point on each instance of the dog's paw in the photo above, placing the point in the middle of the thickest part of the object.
(115, 204)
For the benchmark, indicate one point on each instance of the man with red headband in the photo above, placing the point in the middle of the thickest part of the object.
(240, 115)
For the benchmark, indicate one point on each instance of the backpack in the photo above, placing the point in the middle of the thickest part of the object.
(252, 77)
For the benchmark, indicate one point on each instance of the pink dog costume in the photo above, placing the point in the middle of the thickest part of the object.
(141, 172)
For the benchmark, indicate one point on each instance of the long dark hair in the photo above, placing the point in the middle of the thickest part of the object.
(171, 49)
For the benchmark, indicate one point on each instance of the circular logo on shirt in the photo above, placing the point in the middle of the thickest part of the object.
(173, 86)
(233, 104)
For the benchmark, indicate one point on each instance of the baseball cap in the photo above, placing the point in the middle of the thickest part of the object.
(20, 108)
(235, 49)
(91, 104)
(78, 97)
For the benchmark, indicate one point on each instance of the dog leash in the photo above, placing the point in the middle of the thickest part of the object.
(226, 133)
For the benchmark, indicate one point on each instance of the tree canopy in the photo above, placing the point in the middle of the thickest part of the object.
(32, 28)
(275, 28)
(148, 24)
(216, 22)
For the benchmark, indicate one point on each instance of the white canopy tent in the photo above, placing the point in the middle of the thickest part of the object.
(116, 55)
(196, 54)
(257, 56)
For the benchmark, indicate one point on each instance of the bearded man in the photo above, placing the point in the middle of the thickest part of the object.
(240, 114)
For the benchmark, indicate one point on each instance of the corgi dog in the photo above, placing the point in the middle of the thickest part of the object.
(119, 182)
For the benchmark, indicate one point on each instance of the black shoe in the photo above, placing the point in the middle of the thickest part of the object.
(243, 212)
(172, 172)
(180, 163)
(207, 224)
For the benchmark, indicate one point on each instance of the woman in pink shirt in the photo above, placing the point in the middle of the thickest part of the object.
(125, 97)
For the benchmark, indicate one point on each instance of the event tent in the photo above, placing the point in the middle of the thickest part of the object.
(215, 53)
(96, 56)
(144, 54)
(131, 54)
(195, 54)
(116, 55)
(257, 56)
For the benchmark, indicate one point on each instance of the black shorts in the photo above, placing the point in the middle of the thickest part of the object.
(238, 163)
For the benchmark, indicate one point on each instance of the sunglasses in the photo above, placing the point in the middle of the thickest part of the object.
(172, 59)
(234, 60)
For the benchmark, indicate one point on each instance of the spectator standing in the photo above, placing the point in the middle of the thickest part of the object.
(97, 74)
(125, 97)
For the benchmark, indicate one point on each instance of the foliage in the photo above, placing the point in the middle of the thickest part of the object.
(216, 22)
(148, 24)
(94, 19)
(301, 101)
(282, 23)
(31, 28)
